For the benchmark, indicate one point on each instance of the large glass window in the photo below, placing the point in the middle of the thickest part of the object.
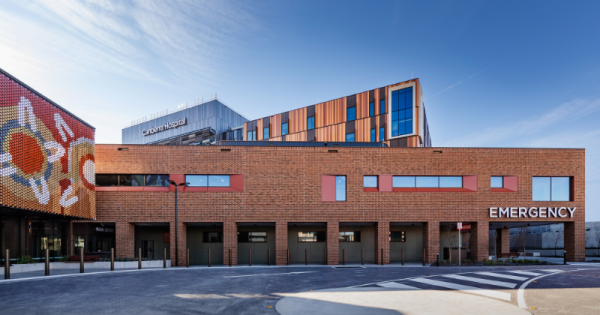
(404, 182)
(251, 136)
(340, 188)
(208, 180)
(451, 182)
(129, 180)
(371, 109)
(427, 182)
(382, 107)
(497, 182)
(373, 135)
(551, 188)
(212, 237)
(310, 123)
(218, 181)
(382, 134)
(370, 181)
(197, 180)
(350, 137)
(252, 237)
(350, 236)
(266, 133)
(397, 236)
(402, 111)
(107, 180)
(157, 180)
(311, 237)
(284, 129)
(351, 114)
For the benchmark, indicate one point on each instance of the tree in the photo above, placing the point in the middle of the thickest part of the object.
(522, 236)
(560, 233)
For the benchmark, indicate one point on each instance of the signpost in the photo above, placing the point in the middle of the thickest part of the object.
(459, 228)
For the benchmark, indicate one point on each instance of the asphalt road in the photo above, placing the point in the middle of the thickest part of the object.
(257, 289)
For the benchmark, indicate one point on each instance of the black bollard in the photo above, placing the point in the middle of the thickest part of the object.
(565, 261)
(7, 265)
(165, 257)
(81, 270)
(47, 273)
(112, 259)
(139, 258)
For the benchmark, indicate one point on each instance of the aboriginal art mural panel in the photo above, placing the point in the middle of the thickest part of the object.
(46, 155)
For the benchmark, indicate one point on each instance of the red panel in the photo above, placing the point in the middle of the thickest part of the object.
(156, 189)
(405, 189)
(428, 189)
(237, 182)
(137, 188)
(385, 183)
(177, 178)
(511, 183)
(166, 237)
(111, 188)
(371, 189)
(470, 182)
(327, 187)
(454, 190)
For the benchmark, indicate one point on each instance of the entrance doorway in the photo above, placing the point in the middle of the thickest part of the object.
(148, 250)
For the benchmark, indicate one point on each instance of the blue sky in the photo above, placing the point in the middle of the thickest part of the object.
(501, 74)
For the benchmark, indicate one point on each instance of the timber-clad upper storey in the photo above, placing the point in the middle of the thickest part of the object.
(394, 115)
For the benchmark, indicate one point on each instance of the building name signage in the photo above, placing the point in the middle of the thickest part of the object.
(533, 212)
(167, 126)
(104, 229)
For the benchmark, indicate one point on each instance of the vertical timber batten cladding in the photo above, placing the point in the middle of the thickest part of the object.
(46, 154)
(282, 189)
(331, 123)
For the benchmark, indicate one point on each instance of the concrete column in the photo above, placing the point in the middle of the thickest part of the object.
(502, 241)
(575, 240)
(181, 241)
(229, 242)
(125, 239)
(431, 240)
(333, 243)
(382, 241)
(281, 243)
(480, 240)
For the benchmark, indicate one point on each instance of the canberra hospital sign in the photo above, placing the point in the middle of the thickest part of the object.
(176, 124)
(533, 212)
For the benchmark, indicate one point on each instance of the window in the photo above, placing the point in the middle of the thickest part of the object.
(497, 182)
(212, 237)
(350, 236)
(208, 180)
(402, 111)
(371, 109)
(252, 237)
(311, 237)
(370, 181)
(350, 137)
(373, 135)
(351, 114)
(551, 188)
(284, 129)
(310, 123)
(382, 107)
(382, 134)
(397, 236)
(129, 180)
(427, 182)
(266, 133)
(251, 136)
(340, 188)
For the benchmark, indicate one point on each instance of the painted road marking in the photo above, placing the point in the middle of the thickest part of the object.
(527, 273)
(484, 281)
(521, 291)
(270, 274)
(498, 275)
(466, 288)
(552, 270)
(396, 285)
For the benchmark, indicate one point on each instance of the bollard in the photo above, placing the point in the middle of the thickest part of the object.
(249, 257)
(305, 256)
(165, 257)
(362, 256)
(325, 256)
(7, 265)
(343, 256)
(268, 257)
(81, 260)
(288, 257)
(47, 262)
(438, 259)
(382, 256)
(402, 258)
(187, 258)
(139, 258)
(112, 259)
(424, 257)
(230, 257)
(565, 261)
(209, 257)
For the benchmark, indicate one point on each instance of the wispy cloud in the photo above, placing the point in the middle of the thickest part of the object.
(457, 83)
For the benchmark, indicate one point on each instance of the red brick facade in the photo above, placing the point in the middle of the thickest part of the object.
(283, 185)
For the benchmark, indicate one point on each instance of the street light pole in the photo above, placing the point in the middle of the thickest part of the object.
(176, 239)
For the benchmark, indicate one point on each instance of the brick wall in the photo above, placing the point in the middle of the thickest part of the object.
(283, 184)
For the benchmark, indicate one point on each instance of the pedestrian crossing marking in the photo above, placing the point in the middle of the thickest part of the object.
(552, 270)
(499, 275)
(396, 285)
(465, 288)
(527, 273)
(484, 281)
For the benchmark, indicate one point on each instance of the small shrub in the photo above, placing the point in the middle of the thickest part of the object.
(537, 261)
(26, 259)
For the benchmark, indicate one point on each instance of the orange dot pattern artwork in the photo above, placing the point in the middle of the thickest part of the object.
(46, 154)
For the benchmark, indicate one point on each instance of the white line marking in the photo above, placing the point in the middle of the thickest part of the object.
(396, 285)
(465, 288)
(527, 273)
(552, 270)
(269, 274)
(498, 275)
(521, 291)
(485, 281)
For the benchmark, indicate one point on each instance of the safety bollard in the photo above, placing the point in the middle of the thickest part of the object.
(139, 258)
(230, 257)
(112, 259)
(382, 256)
(165, 257)
(305, 256)
(209, 257)
(249, 257)
(424, 258)
(343, 256)
(47, 264)
(81, 270)
(7, 265)
(362, 256)
(288, 257)
(187, 258)
(268, 257)
(565, 260)
(402, 256)
(438, 259)
(325, 256)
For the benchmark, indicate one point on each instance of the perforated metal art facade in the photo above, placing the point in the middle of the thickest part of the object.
(46, 154)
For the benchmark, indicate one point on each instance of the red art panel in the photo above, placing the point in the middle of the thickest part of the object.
(46, 155)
